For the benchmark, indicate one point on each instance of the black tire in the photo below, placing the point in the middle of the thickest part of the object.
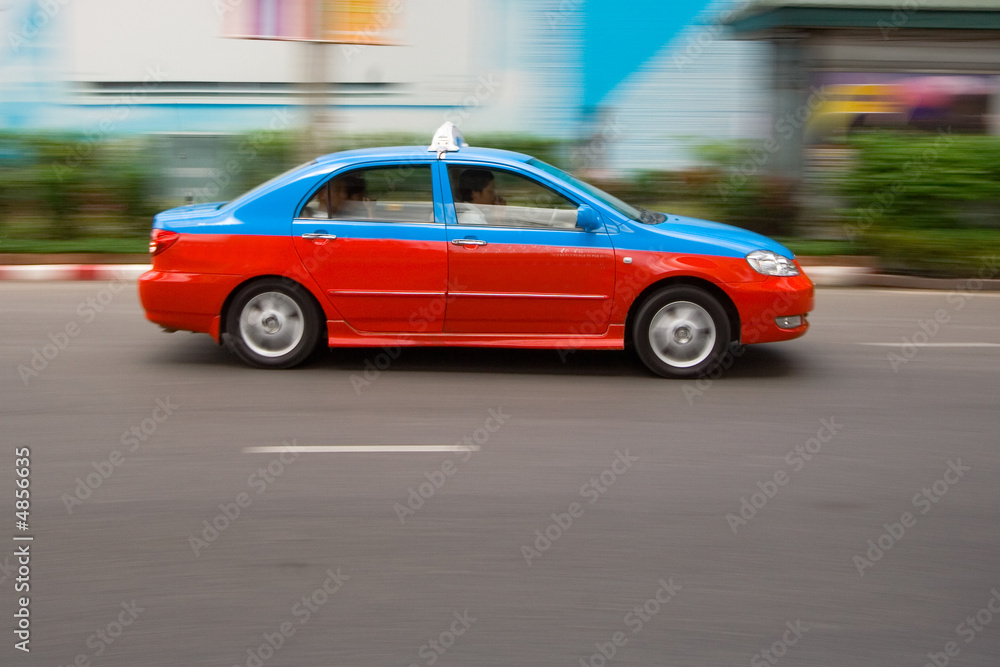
(681, 332)
(272, 323)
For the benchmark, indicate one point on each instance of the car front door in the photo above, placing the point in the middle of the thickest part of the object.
(520, 265)
(371, 240)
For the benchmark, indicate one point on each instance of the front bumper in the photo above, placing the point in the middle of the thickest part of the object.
(761, 303)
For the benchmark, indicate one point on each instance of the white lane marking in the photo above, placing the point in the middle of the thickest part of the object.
(930, 292)
(956, 345)
(359, 449)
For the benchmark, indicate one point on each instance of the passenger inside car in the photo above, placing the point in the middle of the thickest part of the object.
(341, 197)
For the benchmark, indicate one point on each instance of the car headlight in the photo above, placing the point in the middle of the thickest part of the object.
(771, 263)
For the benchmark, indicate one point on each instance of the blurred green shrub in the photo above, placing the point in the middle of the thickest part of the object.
(54, 183)
(737, 183)
(937, 253)
(929, 181)
(253, 158)
(728, 186)
(925, 203)
(553, 151)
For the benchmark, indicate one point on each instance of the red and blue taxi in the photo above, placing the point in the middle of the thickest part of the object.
(459, 246)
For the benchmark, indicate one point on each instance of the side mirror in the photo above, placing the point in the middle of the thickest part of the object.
(587, 219)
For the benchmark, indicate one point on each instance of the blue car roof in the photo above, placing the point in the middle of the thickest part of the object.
(421, 152)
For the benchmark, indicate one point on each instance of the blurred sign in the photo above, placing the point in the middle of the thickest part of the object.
(335, 21)
(856, 101)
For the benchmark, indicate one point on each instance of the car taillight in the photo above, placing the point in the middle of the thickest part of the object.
(160, 240)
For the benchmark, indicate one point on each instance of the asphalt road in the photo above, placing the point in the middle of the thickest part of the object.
(829, 442)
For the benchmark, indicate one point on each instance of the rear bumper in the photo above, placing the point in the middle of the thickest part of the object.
(185, 301)
(760, 303)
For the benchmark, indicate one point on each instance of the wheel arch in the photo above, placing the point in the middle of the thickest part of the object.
(732, 313)
(227, 304)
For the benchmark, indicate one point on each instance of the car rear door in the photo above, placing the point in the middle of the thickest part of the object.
(370, 238)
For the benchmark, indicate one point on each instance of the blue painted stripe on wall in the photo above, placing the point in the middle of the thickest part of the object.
(619, 37)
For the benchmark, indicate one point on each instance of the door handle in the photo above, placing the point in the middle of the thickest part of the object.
(468, 242)
(319, 235)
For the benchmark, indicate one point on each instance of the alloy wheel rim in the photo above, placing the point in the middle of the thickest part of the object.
(272, 324)
(682, 334)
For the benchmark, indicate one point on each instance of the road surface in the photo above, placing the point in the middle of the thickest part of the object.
(829, 501)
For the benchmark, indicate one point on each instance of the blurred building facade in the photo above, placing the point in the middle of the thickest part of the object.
(838, 66)
(638, 84)
(650, 79)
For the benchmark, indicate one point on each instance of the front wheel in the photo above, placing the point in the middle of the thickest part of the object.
(272, 324)
(681, 332)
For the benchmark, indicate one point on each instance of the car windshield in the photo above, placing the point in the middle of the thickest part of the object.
(636, 213)
(271, 181)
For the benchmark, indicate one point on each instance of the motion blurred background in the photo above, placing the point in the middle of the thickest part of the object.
(851, 127)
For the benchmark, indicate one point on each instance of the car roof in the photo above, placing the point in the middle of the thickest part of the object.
(421, 153)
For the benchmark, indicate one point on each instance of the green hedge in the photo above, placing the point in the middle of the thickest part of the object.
(925, 203)
(68, 186)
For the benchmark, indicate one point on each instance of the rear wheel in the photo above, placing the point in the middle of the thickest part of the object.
(272, 324)
(681, 332)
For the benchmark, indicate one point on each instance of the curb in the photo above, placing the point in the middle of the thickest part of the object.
(839, 276)
(940, 284)
(84, 258)
(54, 272)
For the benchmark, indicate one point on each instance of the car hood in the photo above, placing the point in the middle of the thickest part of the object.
(734, 240)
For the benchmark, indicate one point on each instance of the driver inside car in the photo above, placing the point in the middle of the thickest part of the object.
(477, 195)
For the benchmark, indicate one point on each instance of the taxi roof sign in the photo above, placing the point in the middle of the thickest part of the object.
(447, 139)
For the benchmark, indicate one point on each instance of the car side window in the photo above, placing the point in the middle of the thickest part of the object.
(500, 198)
(401, 193)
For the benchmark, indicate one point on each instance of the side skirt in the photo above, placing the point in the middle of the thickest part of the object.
(342, 335)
